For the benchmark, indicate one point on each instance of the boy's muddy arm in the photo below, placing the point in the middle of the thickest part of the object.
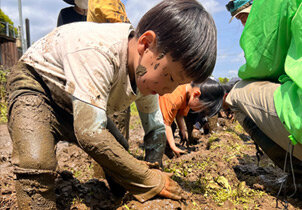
(132, 174)
(171, 141)
(183, 128)
(117, 134)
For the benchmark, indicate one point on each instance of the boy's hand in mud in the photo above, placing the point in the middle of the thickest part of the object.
(171, 189)
(178, 152)
(184, 138)
(184, 141)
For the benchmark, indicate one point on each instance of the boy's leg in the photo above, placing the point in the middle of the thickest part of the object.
(255, 99)
(34, 129)
(33, 152)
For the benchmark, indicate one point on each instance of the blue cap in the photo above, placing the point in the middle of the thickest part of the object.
(233, 6)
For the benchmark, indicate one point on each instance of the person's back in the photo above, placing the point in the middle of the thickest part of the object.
(205, 97)
(37, 122)
(267, 101)
(69, 50)
(109, 11)
(69, 15)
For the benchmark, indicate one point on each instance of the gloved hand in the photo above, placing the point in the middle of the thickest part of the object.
(171, 189)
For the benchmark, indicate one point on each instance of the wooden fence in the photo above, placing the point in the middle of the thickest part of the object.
(9, 53)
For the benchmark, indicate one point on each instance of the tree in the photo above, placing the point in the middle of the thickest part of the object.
(223, 80)
(5, 19)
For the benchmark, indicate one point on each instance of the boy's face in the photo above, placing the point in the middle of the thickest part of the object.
(158, 74)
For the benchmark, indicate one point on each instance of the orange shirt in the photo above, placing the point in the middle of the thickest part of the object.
(173, 103)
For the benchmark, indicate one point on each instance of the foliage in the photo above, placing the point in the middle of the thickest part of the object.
(135, 120)
(223, 80)
(6, 19)
(3, 106)
(133, 109)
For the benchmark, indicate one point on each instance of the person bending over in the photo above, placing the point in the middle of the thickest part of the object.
(205, 97)
(67, 83)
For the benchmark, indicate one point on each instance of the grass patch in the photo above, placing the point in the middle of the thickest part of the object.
(133, 110)
(3, 96)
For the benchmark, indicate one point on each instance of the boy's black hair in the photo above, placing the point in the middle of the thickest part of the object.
(228, 86)
(211, 96)
(187, 31)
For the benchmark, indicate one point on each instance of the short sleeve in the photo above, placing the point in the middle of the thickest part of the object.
(184, 112)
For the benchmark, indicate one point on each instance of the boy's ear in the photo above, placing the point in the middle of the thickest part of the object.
(196, 93)
(146, 41)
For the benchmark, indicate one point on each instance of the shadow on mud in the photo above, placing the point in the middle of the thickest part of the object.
(94, 193)
(269, 178)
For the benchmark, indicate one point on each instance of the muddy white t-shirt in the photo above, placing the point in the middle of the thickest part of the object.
(88, 61)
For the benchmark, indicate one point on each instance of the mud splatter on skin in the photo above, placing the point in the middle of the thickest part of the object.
(141, 71)
(155, 83)
(161, 55)
(156, 66)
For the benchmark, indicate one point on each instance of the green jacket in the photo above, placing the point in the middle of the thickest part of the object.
(272, 43)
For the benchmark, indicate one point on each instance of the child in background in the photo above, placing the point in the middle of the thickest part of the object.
(203, 97)
(67, 83)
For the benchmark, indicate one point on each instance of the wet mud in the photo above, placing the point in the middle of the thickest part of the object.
(219, 172)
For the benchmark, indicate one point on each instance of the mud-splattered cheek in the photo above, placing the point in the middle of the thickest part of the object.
(140, 71)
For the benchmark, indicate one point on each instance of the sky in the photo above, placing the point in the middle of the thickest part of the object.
(43, 15)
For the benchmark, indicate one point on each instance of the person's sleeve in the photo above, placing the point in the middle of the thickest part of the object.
(155, 131)
(166, 110)
(150, 113)
(97, 120)
(89, 74)
(108, 11)
(288, 96)
(293, 62)
(184, 112)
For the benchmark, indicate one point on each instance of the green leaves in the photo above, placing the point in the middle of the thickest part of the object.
(3, 105)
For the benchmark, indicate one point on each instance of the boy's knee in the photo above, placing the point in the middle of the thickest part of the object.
(35, 161)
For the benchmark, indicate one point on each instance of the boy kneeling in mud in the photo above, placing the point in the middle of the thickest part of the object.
(67, 82)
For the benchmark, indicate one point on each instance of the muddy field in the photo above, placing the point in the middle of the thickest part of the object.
(220, 172)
